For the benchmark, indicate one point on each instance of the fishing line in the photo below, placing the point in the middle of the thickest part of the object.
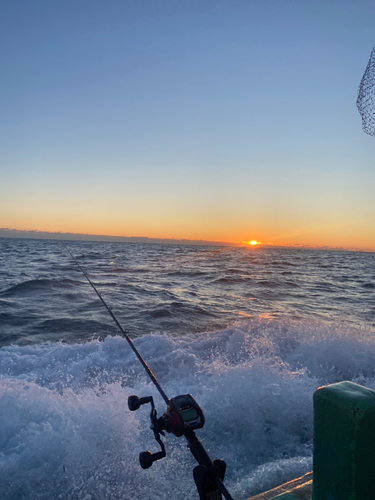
(124, 332)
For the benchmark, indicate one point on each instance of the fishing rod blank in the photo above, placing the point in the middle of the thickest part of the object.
(124, 332)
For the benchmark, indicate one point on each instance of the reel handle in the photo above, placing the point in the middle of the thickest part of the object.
(134, 402)
(146, 458)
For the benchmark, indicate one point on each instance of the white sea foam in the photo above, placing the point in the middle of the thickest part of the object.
(66, 431)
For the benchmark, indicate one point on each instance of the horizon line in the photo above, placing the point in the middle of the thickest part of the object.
(58, 235)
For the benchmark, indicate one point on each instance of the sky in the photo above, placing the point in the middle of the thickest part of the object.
(209, 120)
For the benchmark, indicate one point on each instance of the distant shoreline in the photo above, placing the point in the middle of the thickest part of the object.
(45, 235)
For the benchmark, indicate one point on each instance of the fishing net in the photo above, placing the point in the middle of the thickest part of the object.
(366, 97)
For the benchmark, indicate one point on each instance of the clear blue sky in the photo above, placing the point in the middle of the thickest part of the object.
(225, 120)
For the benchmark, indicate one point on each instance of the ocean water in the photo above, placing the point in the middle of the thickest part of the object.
(249, 332)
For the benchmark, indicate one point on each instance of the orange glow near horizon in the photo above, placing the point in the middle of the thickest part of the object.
(186, 226)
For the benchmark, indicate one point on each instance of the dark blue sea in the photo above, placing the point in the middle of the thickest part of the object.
(249, 332)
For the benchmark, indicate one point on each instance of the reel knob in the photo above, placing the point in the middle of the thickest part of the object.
(134, 402)
(146, 458)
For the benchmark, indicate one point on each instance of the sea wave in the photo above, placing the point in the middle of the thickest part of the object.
(66, 431)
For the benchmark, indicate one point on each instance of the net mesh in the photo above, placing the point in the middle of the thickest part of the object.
(366, 97)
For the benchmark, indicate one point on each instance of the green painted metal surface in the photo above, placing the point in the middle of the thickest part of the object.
(344, 443)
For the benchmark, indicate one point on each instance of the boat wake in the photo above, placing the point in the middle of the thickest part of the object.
(66, 431)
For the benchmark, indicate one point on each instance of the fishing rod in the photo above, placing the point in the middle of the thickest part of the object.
(124, 332)
(182, 417)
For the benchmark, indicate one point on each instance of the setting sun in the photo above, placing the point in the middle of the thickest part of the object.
(253, 242)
